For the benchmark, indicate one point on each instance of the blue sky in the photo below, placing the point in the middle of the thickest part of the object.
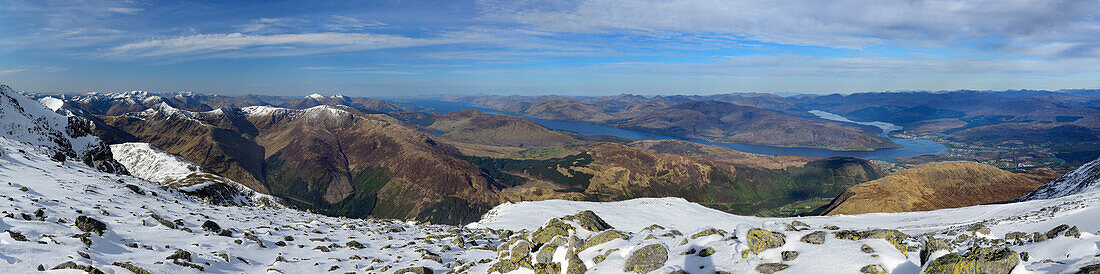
(587, 47)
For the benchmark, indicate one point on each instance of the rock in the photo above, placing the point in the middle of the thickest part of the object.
(799, 223)
(601, 257)
(288, 238)
(16, 236)
(816, 237)
(39, 213)
(72, 265)
(547, 268)
(1073, 232)
(760, 240)
(414, 270)
(1090, 269)
(162, 221)
(977, 260)
(873, 269)
(546, 253)
(896, 238)
(708, 232)
(768, 268)
(553, 228)
(790, 255)
(1056, 230)
(646, 259)
(180, 255)
(355, 244)
(866, 249)
(706, 252)
(653, 227)
(588, 220)
(211, 226)
(576, 266)
(87, 224)
(1024, 256)
(979, 228)
(255, 239)
(131, 267)
(1038, 237)
(135, 189)
(930, 246)
(225, 232)
(832, 227)
(603, 237)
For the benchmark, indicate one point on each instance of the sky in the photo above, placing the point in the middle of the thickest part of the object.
(586, 47)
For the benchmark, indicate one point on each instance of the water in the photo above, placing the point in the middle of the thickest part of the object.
(910, 147)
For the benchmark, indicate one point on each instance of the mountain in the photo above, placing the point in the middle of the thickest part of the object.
(113, 104)
(934, 186)
(63, 137)
(726, 122)
(150, 163)
(472, 126)
(1081, 180)
(566, 109)
(333, 160)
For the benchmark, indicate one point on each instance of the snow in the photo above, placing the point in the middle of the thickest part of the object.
(315, 96)
(144, 161)
(1083, 179)
(51, 103)
(30, 180)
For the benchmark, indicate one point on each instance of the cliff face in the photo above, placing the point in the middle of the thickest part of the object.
(934, 186)
(1085, 178)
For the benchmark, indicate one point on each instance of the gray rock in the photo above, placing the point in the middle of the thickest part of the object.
(88, 224)
(790, 255)
(769, 268)
(646, 259)
(977, 260)
(816, 237)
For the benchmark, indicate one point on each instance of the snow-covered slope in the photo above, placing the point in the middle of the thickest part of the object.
(1084, 179)
(145, 161)
(62, 137)
(835, 255)
(67, 215)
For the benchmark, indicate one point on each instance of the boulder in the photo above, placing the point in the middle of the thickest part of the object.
(977, 260)
(646, 259)
(816, 237)
(88, 224)
(760, 240)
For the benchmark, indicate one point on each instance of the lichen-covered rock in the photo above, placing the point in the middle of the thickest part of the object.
(518, 256)
(1056, 230)
(977, 260)
(930, 246)
(760, 240)
(769, 268)
(867, 249)
(211, 226)
(601, 257)
(790, 255)
(646, 259)
(896, 238)
(1073, 232)
(588, 220)
(576, 266)
(180, 255)
(603, 237)
(553, 228)
(873, 269)
(131, 267)
(706, 252)
(816, 237)
(414, 270)
(88, 224)
(979, 228)
(72, 265)
(547, 268)
(708, 232)
(1090, 269)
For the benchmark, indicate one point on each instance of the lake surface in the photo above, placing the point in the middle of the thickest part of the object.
(910, 147)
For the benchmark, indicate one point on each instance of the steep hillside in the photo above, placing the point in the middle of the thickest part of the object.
(472, 126)
(150, 163)
(1081, 180)
(333, 160)
(63, 137)
(726, 122)
(933, 186)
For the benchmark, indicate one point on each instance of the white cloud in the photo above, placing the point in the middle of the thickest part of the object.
(245, 45)
(125, 10)
(841, 23)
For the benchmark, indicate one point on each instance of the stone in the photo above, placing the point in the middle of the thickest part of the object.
(646, 259)
(708, 232)
(977, 260)
(588, 220)
(979, 228)
(873, 269)
(769, 268)
(355, 244)
(930, 246)
(1056, 230)
(131, 267)
(866, 249)
(603, 237)
(72, 265)
(706, 252)
(414, 270)
(1090, 269)
(211, 226)
(1073, 232)
(790, 255)
(576, 266)
(816, 237)
(17, 236)
(760, 240)
(894, 237)
(180, 255)
(88, 224)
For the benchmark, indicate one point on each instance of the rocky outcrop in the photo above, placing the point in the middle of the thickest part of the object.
(1083, 179)
(977, 260)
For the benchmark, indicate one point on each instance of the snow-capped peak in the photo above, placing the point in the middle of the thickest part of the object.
(1084, 179)
(52, 103)
(315, 96)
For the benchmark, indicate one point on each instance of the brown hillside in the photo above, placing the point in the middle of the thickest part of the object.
(934, 186)
(472, 126)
